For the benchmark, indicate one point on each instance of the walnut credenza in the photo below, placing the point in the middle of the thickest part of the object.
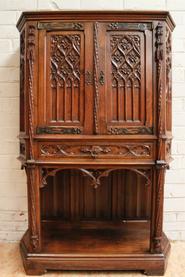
(95, 139)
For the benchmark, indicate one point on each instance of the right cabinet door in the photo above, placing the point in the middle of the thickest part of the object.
(128, 86)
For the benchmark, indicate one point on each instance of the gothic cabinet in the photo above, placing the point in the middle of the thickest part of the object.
(95, 139)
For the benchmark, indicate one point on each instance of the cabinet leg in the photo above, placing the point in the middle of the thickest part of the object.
(34, 271)
(154, 272)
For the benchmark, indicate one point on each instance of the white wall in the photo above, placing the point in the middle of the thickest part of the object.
(13, 203)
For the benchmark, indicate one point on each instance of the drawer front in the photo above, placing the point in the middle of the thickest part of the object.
(94, 150)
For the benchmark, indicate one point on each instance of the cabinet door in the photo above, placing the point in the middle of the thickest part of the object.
(65, 68)
(126, 74)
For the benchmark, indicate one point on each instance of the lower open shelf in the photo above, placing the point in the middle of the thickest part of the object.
(89, 246)
(96, 238)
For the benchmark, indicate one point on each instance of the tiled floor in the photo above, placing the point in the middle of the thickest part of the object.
(11, 264)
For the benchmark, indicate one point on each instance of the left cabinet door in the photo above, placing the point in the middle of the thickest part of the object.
(65, 78)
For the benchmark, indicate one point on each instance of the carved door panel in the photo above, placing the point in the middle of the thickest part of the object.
(66, 59)
(127, 78)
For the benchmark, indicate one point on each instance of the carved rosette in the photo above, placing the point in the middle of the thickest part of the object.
(31, 60)
(95, 150)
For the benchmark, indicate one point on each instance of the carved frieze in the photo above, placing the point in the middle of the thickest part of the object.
(96, 151)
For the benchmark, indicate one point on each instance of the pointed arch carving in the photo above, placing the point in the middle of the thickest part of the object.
(95, 174)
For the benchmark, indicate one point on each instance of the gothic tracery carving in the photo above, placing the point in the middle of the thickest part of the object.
(125, 51)
(65, 60)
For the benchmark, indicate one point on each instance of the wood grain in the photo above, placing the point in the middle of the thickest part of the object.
(95, 138)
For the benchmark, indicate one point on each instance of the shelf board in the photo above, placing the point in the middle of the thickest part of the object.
(114, 238)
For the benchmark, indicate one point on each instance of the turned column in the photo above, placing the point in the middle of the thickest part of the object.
(159, 178)
(34, 228)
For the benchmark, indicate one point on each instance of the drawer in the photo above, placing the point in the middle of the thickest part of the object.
(94, 150)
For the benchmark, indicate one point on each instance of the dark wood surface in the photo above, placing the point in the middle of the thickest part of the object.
(69, 195)
(95, 138)
(93, 238)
